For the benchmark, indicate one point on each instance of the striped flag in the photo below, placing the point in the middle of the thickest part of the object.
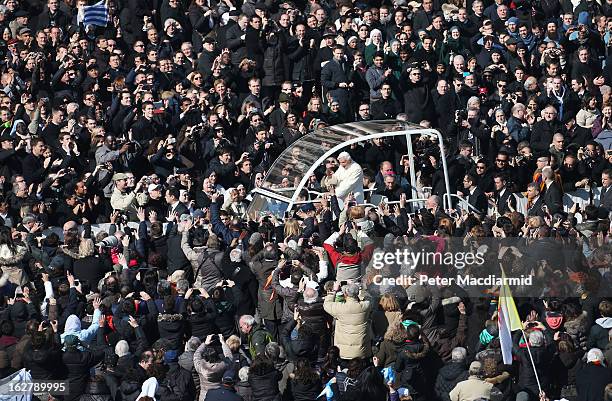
(96, 14)
(508, 320)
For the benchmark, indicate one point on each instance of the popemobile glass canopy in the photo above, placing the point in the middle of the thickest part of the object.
(289, 174)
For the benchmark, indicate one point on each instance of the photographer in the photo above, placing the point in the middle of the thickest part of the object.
(166, 160)
(468, 127)
(123, 200)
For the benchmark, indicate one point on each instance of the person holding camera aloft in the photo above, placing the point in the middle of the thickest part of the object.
(122, 199)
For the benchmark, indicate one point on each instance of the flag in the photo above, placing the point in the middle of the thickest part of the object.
(7, 389)
(508, 320)
(328, 392)
(388, 374)
(96, 14)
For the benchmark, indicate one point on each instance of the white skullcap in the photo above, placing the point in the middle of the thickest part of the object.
(344, 155)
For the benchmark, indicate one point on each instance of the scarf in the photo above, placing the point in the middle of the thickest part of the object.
(559, 98)
(485, 337)
(407, 323)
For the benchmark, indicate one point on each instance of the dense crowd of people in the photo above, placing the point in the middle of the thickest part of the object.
(133, 269)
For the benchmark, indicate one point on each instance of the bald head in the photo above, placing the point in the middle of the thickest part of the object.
(70, 225)
(310, 295)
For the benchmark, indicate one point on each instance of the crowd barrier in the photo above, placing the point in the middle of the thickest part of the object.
(581, 196)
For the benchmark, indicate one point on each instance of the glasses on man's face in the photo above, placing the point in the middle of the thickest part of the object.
(501, 160)
(480, 167)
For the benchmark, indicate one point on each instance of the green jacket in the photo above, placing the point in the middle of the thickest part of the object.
(258, 339)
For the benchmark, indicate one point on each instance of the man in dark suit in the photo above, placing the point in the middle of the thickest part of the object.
(553, 198)
(386, 107)
(474, 195)
(235, 40)
(534, 200)
(334, 78)
(504, 198)
(174, 205)
(605, 199)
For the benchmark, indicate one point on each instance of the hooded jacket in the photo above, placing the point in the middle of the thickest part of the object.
(598, 337)
(73, 327)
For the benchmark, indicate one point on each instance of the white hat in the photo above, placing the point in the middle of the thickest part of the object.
(153, 187)
(595, 355)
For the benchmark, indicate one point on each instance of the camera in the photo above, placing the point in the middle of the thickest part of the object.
(460, 115)
(131, 146)
(109, 242)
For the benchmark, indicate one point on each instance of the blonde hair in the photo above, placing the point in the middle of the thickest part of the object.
(86, 247)
(233, 342)
(292, 228)
(388, 303)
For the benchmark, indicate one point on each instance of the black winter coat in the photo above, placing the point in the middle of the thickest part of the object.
(77, 364)
(313, 315)
(171, 327)
(301, 391)
(273, 66)
(268, 309)
(131, 384)
(89, 268)
(202, 324)
(542, 358)
(418, 102)
(222, 394)
(43, 364)
(265, 387)
(408, 366)
(448, 376)
(591, 381)
(542, 134)
(177, 385)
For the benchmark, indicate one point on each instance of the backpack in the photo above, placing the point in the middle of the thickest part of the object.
(215, 262)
